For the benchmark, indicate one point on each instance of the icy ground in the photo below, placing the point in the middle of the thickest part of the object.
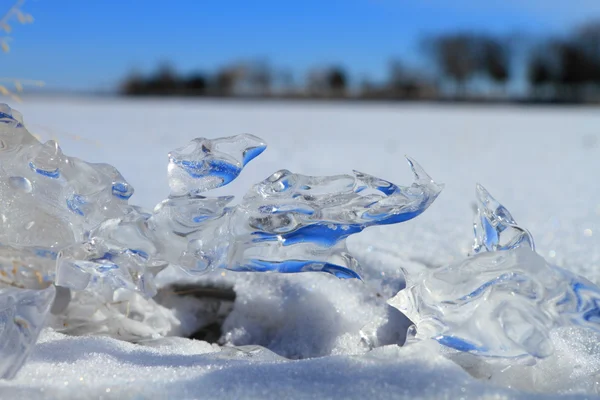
(541, 162)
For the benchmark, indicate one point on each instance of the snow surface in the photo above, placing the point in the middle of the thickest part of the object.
(540, 163)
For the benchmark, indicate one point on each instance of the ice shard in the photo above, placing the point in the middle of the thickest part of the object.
(502, 302)
(495, 228)
(23, 314)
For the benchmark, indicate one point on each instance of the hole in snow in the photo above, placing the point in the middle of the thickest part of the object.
(201, 307)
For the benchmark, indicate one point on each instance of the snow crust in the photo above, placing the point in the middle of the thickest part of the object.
(95, 367)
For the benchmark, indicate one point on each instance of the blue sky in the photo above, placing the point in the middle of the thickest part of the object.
(92, 44)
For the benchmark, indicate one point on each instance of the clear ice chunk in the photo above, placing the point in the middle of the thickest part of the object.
(205, 164)
(68, 222)
(286, 223)
(117, 254)
(503, 301)
(49, 201)
(23, 314)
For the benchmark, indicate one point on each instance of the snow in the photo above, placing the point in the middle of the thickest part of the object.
(92, 367)
(540, 163)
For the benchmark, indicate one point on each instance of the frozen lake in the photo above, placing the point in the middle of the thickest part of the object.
(540, 162)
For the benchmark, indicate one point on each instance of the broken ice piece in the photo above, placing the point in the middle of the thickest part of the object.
(494, 227)
(97, 267)
(22, 316)
(206, 164)
(502, 302)
(488, 304)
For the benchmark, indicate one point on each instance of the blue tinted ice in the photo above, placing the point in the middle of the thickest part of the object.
(503, 301)
(69, 222)
(494, 227)
(287, 223)
(294, 223)
(206, 164)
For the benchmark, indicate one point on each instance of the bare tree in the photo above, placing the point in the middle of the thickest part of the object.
(337, 81)
(196, 84)
(164, 81)
(261, 78)
(462, 56)
(407, 83)
(332, 81)
(455, 56)
(539, 75)
(588, 39)
(225, 81)
(134, 85)
(569, 66)
(495, 59)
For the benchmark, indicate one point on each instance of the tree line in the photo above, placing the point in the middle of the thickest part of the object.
(459, 65)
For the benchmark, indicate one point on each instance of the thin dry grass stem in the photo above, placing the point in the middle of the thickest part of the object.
(18, 85)
(22, 18)
(11, 87)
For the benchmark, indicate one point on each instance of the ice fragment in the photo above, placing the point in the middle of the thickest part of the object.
(494, 226)
(22, 316)
(502, 302)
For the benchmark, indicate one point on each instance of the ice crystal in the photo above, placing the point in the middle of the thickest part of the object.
(505, 300)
